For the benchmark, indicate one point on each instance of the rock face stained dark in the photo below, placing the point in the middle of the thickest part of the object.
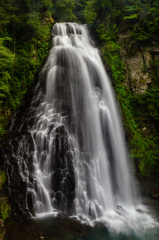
(17, 157)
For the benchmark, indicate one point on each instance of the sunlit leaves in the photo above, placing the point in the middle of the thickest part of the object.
(132, 16)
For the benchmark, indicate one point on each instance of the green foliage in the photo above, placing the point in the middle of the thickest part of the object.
(2, 178)
(140, 17)
(78, 10)
(107, 12)
(5, 209)
(6, 61)
(25, 28)
(28, 56)
(47, 5)
(89, 12)
(4, 120)
(132, 16)
(63, 10)
(24, 43)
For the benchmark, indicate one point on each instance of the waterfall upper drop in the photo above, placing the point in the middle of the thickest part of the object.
(77, 162)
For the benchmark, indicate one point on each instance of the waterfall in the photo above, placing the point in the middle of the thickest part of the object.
(78, 163)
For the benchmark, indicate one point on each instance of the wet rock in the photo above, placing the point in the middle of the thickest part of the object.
(61, 129)
(17, 151)
(31, 201)
(155, 196)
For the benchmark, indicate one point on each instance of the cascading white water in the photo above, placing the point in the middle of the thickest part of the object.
(103, 177)
(80, 162)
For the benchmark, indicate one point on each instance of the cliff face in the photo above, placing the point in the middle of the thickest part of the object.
(137, 64)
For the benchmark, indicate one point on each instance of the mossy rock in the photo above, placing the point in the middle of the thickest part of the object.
(2, 230)
(5, 209)
(2, 178)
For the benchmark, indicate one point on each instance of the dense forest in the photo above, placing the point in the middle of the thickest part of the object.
(25, 39)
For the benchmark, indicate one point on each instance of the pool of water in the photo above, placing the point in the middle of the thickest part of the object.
(68, 229)
(64, 228)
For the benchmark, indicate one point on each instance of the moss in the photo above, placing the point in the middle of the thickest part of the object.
(5, 209)
(2, 178)
(2, 231)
